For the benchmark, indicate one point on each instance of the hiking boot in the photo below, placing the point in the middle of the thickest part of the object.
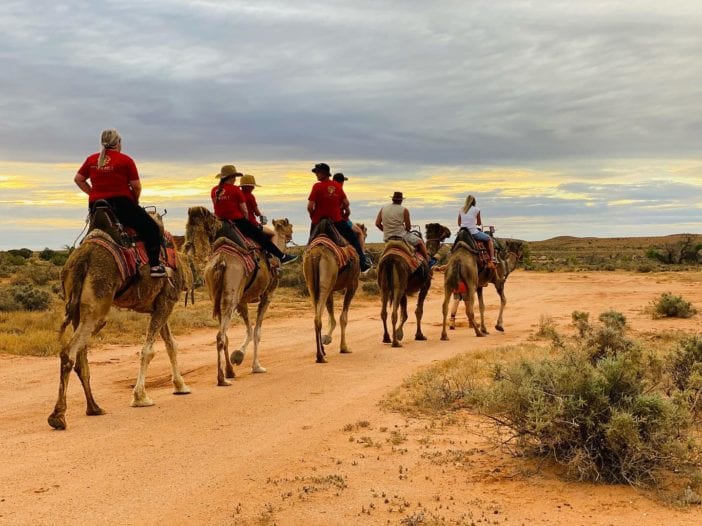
(366, 263)
(287, 258)
(432, 262)
(159, 271)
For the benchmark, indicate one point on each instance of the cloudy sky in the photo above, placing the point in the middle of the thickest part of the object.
(561, 117)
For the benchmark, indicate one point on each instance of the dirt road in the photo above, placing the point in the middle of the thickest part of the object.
(305, 443)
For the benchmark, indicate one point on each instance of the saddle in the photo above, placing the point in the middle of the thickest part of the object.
(399, 247)
(231, 232)
(326, 228)
(128, 251)
(479, 248)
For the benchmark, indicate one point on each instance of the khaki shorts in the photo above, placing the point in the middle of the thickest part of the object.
(412, 239)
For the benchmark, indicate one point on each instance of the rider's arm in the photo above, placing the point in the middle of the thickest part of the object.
(478, 221)
(459, 219)
(408, 223)
(345, 207)
(136, 189)
(82, 183)
(244, 210)
(310, 207)
(379, 221)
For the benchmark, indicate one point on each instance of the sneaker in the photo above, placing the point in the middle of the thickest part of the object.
(432, 262)
(159, 271)
(287, 258)
(366, 264)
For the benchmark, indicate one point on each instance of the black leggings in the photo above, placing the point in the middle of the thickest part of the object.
(250, 230)
(132, 215)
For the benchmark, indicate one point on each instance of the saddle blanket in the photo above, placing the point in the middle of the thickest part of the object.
(413, 261)
(343, 254)
(227, 247)
(129, 259)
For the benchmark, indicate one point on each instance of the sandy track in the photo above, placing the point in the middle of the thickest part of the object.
(271, 448)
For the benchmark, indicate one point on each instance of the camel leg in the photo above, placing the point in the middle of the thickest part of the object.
(481, 306)
(327, 338)
(403, 318)
(238, 356)
(82, 369)
(344, 318)
(223, 362)
(172, 350)
(264, 302)
(385, 298)
(139, 396)
(69, 353)
(503, 301)
(471, 311)
(444, 311)
(419, 311)
(323, 293)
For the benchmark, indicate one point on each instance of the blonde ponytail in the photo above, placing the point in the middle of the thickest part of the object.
(110, 139)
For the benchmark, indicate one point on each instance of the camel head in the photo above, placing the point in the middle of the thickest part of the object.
(517, 247)
(363, 229)
(284, 229)
(200, 232)
(436, 233)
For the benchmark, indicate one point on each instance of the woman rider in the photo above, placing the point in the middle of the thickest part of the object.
(469, 218)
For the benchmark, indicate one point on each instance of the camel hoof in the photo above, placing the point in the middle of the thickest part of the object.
(480, 335)
(396, 344)
(386, 338)
(259, 369)
(326, 339)
(57, 421)
(420, 337)
(321, 359)
(95, 411)
(223, 383)
(399, 334)
(142, 402)
(444, 338)
(183, 390)
(345, 351)
(237, 357)
(500, 328)
(485, 333)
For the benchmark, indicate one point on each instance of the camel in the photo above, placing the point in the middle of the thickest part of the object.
(328, 269)
(463, 266)
(233, 282)
(92, 283)
(397, 280)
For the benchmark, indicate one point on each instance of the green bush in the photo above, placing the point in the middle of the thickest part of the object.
(613, 318)
(39, 274)
(685, 366)
(670, 306)
(24, 296)
(596, 417)
(47, 254)
(581, 320)
(24, 253)
(292, 277)
(371, 287)
(59, 259)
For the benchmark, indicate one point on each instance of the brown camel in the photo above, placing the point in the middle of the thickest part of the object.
(397, 280)
(92, 283)
(234, 282)
(324, 276)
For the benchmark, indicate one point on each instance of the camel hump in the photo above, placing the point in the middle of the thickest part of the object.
(399, 244)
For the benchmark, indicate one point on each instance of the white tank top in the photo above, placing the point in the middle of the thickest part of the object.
(469, 220)
(393, 217)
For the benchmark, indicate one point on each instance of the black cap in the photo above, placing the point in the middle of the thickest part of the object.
(321, 167)
(339, 177)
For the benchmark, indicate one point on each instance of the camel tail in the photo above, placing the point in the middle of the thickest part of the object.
(218, 288)
(453, 275)
(74, 274)
(385, 277)
(396, 292)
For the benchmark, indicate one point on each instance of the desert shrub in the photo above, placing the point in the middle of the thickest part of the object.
(613, 318)
(292, 277)
(36, 274)
(59, 259)
(47, 254)
(596, 417)
(685, 366)
(547, 330)
(670, 306)
(370, 287)
(24, 253)
(11, 260)
(24, 296)
(581, 320)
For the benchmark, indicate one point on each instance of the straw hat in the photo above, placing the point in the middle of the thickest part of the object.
(247, 180)
(228, 170)
(397, 196)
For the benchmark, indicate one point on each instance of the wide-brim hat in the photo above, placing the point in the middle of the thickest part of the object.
(339, 177)
(321, 167)
(247, 180)
(397, 196)
(228, 170)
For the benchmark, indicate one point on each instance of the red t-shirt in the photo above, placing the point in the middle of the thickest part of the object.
(327, 196)
(112, 180)
(251, 205)
(227, 206)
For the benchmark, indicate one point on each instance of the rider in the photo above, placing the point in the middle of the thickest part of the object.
(394, 221)
(230, 204)
(469, 219)
(345, 213)
(327, 200)
(115, 179)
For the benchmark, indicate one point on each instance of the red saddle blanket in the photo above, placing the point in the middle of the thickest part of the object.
(343, 254)
(413, 261)
(130, 259)
(225, 246)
